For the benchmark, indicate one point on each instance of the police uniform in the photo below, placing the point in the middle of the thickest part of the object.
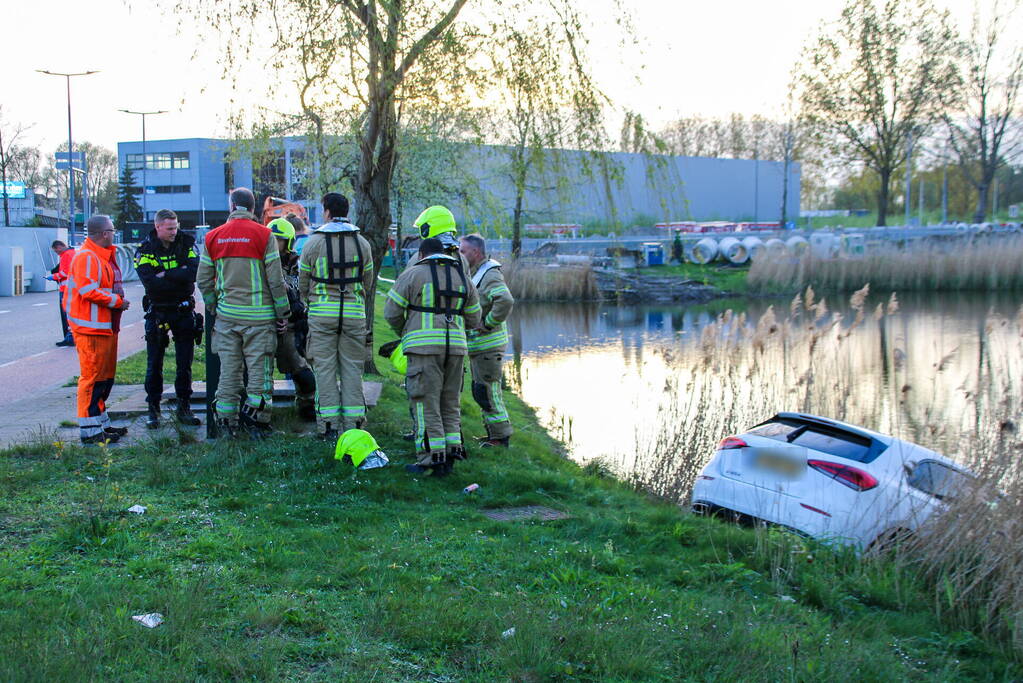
(486, 348)
(168, 274)
(334, 273)
(430, 306)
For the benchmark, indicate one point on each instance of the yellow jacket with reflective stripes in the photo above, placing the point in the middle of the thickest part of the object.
(430, 333)
(496, 301)
(322, 298)
(240, 274)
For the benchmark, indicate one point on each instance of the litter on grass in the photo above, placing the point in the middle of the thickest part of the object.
(151, 620)
(509, 633)
(137, 509)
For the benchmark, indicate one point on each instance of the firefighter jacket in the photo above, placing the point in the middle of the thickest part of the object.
(179, 264)
(94, 292)
(430, 306)
(496, 301)
(336, 265)
(240, 274)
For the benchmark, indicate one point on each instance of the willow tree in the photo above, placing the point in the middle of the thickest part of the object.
(877, 79)
(984, 130)
(351, 68)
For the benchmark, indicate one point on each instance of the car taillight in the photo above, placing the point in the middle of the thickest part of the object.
(731, 442)
(852, 477)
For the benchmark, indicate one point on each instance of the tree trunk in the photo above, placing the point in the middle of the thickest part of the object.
(373, 201)
(882, 196)
(516, 245)
(983, 190)
(3, 179)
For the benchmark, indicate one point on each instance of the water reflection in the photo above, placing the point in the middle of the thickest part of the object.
(612, 381)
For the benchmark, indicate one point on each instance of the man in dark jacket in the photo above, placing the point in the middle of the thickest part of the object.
(167, 263)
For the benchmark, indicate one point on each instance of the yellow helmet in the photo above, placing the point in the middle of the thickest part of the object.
(282, 229)
(362, 448)
(435, 221)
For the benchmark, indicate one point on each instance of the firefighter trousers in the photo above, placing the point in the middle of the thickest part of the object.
(240, 346)
(434, 386)
(488, 393)
(97, 358)
(333, 355)
(291, 362)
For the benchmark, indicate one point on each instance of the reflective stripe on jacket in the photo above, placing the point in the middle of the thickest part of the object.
(240, 274)
(323, 298)
(497, 301)
(429, 333)
(94, 293)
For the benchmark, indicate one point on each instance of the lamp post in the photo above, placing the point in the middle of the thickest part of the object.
(70, 149)
(144, 114)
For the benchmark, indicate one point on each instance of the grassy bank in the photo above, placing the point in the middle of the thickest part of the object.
(270, 561)
(731, 279)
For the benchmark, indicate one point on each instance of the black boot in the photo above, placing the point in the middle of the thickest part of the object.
(457, 453)
(443, 469)
(186, 416)
(116, 431)
(153, 420)
(100, 438)
(306, 410)
(496, 442)
(226, 428)
(329, 434)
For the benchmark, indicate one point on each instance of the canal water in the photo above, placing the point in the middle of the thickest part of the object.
(647, 391)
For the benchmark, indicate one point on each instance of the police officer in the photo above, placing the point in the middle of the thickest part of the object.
(291, 333)
(488, 341)
(167, 263)
(430, 306)
(334, 273)
(242, 283)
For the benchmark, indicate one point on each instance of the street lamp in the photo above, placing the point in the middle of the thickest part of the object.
(70, 149)
(144, 114)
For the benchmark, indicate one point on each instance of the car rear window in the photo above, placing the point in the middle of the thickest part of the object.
(831, 440)
(937, 479)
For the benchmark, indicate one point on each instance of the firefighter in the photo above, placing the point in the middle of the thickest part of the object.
(487, 342)
(167, 263)
(429, 307)
(94, 299)
(291, 333)
(242, 284)
(334, 273)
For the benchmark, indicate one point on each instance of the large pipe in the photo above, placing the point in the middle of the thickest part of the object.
(775, 248)
(734, 251)
(754, 247)
(797, 245)
(704, 251)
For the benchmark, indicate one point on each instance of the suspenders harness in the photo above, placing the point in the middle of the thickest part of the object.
(337, 265)
(448, 301)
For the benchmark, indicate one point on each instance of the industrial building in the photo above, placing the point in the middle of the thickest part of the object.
(192, 176)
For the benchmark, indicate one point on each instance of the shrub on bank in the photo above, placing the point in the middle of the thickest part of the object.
(981, 265)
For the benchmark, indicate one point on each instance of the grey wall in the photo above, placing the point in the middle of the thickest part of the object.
(35, 245)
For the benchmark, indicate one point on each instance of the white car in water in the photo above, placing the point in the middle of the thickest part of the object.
(827, 480)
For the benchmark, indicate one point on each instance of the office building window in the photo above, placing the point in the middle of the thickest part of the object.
(159, 161)
(168, 189)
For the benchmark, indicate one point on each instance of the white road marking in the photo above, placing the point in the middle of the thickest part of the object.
(4, 311)
(43, 304)
(8, 363)
(36, 355)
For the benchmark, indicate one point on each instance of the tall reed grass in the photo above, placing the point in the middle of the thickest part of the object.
(742, 371)
(991, 263)
(533, 281)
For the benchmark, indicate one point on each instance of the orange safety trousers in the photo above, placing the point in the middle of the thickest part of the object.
(97, 356)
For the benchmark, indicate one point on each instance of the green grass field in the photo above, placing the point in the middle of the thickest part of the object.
(731, 279)
(271, 561)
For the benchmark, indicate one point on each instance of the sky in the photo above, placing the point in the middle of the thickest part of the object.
(693, 57)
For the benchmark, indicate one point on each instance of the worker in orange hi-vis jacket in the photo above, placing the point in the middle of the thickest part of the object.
(94, 300)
